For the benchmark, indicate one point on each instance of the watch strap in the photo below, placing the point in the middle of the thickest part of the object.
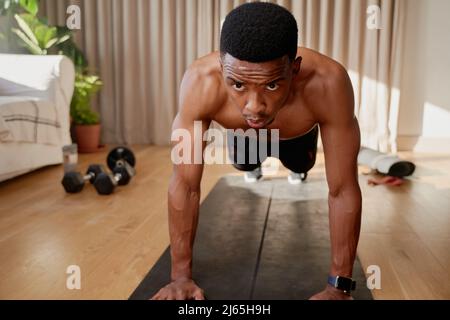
(342, 283)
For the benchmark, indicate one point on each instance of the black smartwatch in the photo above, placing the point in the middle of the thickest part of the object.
(342, 283)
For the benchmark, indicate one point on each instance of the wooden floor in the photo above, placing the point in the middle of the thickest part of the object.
(115, 240)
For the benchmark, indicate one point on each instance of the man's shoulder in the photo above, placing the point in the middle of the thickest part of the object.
(202, 81)
(328, 74)
(329, 89)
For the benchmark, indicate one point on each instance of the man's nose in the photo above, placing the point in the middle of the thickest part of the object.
(255, 105)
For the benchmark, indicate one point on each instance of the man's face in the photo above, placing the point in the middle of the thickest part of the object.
(259, 90)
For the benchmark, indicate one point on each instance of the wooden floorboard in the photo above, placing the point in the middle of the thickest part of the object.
(117, 239)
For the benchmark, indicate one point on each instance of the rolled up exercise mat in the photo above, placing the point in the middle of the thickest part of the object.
(388, 164)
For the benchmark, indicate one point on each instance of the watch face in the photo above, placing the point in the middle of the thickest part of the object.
(344, 283)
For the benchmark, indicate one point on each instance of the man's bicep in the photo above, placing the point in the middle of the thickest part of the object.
(196, 101)
(341, 144)
(187, 150)
(340, 132)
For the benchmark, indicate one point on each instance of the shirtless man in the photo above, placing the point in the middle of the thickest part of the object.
(260, 79)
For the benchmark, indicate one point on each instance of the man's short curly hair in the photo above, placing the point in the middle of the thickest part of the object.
(259, 32)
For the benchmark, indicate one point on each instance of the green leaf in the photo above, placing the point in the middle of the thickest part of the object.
(40, 34)
(48, 35)
(50, 43)
(63, 39)
(30, 45)
(32, 6)
(31, 20)
(26, 29)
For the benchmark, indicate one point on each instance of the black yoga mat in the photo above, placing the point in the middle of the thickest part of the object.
(267, 240)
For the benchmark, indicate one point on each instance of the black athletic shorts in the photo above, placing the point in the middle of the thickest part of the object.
(297, 154)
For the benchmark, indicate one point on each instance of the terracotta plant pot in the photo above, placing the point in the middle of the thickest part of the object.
(88, 138)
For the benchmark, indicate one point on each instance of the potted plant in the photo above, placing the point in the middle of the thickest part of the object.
(86, 121)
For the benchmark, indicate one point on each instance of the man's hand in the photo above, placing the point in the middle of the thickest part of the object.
(331, 293)
(180, 289)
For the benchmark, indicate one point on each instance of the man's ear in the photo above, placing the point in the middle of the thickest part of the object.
(297, 65)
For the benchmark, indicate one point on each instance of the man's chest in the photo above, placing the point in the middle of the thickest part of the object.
(291, 121)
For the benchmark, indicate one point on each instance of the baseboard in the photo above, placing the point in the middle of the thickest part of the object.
(423, 144)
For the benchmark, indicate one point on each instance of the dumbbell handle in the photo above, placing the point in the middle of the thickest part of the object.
(89, 176)
(123, 172)
(117, 177)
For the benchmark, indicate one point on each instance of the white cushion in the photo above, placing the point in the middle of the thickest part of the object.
(49, 78)
(29, 119)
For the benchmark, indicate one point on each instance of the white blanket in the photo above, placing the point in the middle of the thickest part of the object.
(28, 119)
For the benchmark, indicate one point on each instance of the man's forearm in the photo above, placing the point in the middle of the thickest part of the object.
(345, 224)
(183, 219)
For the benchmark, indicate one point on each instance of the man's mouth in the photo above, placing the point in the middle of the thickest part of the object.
(256, 123)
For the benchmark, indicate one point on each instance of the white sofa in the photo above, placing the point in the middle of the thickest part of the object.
(35, 95)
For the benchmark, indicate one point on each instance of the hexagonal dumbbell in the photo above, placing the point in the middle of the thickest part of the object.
(73, 182)
(121, 161)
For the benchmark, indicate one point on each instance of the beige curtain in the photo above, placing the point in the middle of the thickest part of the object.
(142, 47)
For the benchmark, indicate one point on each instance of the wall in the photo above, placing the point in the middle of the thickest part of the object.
(424, 119)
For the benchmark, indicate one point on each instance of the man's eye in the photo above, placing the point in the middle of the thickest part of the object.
(238, 86)
(272, 86)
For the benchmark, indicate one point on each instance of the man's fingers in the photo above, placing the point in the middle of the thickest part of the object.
(171, 296)
(187, 292)
(180, 295)
(199, 295)
(155, 297)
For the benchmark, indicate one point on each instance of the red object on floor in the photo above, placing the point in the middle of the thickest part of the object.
(388, 180)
